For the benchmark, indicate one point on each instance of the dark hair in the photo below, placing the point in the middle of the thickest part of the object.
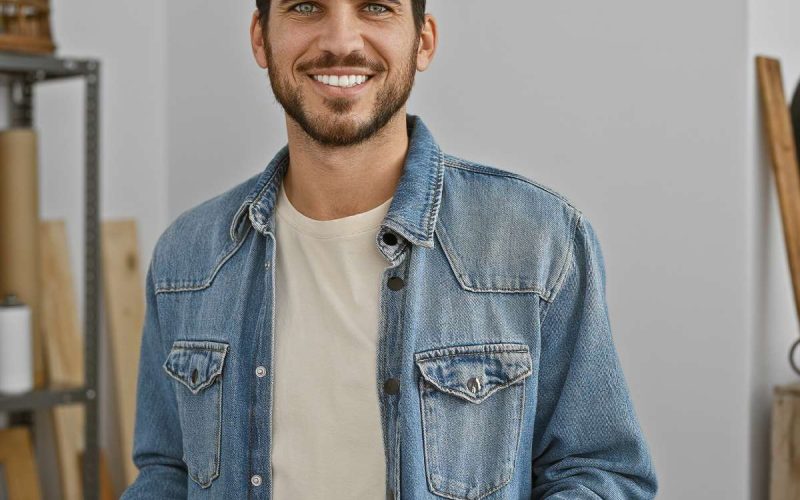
(418, 9)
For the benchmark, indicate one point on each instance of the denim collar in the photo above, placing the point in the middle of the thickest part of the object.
(411, 214)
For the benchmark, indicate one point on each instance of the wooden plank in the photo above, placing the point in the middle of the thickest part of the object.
(19, 464)
(63, 350)
(783, 153)
(124, 305)
(785, 461)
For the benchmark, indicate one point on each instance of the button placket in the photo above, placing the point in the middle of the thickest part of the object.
(260, 440)
(397, 250)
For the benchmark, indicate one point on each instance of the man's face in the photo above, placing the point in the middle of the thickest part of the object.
(310, 43)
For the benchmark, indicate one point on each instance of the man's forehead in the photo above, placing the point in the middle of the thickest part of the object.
(394, 2)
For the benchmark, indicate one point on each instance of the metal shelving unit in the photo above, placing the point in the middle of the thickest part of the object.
(21, 73)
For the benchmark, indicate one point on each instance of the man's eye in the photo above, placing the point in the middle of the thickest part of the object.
(376, 8)
(304, 8)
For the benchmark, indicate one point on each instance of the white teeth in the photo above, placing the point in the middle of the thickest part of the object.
(341, 81)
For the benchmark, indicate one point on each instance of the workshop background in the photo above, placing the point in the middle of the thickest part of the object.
(644, 114)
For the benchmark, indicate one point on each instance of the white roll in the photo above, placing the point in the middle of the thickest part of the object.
(16, 347)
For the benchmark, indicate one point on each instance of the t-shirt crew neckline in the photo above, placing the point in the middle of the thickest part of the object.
(333, 228)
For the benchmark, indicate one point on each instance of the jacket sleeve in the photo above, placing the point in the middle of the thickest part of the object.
(587, 439)
(157, 442)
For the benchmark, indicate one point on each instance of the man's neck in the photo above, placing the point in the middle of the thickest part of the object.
(327, 183)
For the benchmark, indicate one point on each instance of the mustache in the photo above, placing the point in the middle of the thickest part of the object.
(329, 60)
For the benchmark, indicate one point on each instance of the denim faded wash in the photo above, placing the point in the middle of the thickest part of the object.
(493, 319)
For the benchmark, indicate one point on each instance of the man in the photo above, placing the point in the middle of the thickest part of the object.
(371, 317)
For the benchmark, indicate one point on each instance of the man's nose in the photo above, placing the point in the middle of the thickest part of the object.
(341, 33)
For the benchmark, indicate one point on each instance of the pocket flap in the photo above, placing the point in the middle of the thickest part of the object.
(474, 372)
(196, 363)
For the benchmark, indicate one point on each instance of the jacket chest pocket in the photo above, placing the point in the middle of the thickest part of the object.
(472, 400)
(197, 366)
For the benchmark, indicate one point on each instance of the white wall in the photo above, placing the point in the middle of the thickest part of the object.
(774, 321)
(223, 122)
(128, 39)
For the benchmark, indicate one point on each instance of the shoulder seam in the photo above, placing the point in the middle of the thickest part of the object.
(568, 258)
(462, 164)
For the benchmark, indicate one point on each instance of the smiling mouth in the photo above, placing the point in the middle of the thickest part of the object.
(343, 81)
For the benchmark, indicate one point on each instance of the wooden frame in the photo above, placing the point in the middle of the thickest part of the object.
(16, 457)
(124, 302)
(63, 350)
(785, 432)
(783, 153)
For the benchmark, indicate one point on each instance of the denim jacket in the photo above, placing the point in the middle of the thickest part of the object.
(493, 324)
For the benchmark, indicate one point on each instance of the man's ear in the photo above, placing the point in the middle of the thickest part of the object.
(428, 39)
(257, 40)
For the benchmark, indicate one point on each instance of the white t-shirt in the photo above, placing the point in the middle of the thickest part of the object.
(326, 420)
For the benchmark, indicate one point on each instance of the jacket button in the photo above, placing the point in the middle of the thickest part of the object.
(391, 386)
(255, 480)
(396, 283)
(194, 376)
(389, 238)
(261, 371)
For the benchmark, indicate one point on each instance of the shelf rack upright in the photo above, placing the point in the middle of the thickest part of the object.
(22, 72)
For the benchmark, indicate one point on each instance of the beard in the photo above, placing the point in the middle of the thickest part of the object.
(340, 130)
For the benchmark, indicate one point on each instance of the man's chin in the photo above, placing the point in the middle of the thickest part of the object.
(346, 127)
(332, 128)
(337, 136)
